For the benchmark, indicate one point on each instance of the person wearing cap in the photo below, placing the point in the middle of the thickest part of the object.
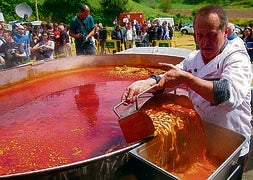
(23, 39)
(82, 29)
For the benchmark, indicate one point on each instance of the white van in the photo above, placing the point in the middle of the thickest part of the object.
(169, 20)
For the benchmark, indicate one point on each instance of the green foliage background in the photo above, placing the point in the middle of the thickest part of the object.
(105, 10)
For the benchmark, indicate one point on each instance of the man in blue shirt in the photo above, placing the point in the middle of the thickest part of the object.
(23, 39)
(82, 29)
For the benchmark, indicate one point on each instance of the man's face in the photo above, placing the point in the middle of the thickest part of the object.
(208, 35)
(21, 30)
(7, 37)
(84, 14)
(229, 31)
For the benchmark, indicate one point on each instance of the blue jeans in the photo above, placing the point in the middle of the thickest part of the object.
(85, 49)
(91, 50)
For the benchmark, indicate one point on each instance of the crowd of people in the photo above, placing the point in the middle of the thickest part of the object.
(141, 35)
(129, 34)
(89, 38)
(25, 42)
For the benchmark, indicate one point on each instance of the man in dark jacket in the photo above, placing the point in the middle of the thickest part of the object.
(117, 35)
(102, 37)
(13, 52)
(152, 33)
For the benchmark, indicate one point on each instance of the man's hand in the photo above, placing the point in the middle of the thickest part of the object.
(136, 88)
(173, 76)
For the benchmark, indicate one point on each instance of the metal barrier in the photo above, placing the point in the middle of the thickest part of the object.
(113, 46)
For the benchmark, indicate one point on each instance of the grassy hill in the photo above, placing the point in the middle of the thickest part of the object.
(240, 12)
(151, 13)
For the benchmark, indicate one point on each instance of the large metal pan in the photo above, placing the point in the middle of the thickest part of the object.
(103, 165)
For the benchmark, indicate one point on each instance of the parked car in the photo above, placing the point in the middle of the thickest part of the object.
(187, 29)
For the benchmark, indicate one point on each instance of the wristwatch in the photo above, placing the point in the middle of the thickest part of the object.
(156, 77)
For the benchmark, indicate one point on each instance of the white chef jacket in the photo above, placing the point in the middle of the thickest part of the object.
(233, 64)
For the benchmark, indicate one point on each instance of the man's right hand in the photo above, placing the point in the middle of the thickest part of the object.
(78, 36)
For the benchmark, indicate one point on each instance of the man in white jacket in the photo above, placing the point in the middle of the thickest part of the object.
(218, 77)
(232, 36)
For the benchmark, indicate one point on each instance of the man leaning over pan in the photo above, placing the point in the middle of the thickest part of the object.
(218, 77)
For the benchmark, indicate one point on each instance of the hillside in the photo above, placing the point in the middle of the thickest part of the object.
(238, 14)
(232, 13)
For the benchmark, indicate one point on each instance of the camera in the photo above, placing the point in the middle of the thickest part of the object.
(12, 51)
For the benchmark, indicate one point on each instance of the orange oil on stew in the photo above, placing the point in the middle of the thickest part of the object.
(59, 119)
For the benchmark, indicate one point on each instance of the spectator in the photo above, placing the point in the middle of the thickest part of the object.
(248, 40)
(144, 37)
(14, 29)
(125, 20)
(115, 21)
(82, 29)
(180, 26)
(138, 28)
(102, 37)
(64, 47)
(117, 35)
(170, 29)
(152, 34)
(57, 40)
(129, 35)
(45, 48)
(159, 31)
(218, 77)
(2, 63)
(24, 40)
(123, 30)
(165, 31)
(70, 40)
(251, 26)
(232, 36)
(13, 51)
(50, 29)
(96, 32)
(1, 30)
(34, 40)
(37, 31)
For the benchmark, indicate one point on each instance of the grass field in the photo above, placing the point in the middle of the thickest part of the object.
(183, 41)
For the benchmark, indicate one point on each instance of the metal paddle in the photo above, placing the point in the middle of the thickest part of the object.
(136, 125)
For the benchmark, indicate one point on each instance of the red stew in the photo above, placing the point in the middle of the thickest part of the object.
(59, 119)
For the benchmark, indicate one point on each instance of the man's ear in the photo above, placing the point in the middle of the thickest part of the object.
(194, 36)
(226, 33)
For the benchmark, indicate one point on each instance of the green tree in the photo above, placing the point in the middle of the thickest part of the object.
(112, 8)
(165, 5)
(63, 12)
